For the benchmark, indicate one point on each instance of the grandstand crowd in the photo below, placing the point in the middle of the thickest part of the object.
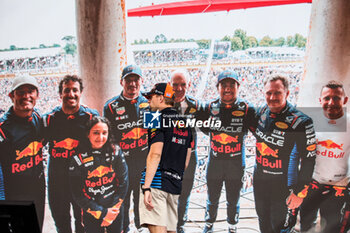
(148, 58)
(165, 56)
(252, 77)
(30, 64)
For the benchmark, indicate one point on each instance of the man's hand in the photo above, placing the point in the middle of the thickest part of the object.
(293, 201)
(110, 216)
(148, 200)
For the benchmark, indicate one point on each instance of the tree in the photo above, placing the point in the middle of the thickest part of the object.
(299, 41)
(68, 38)
(290, 41)
(279, 42)
(251, 42)
(160, 39)
(42, 46)
(242, 35)
(203, 43)
(13, 47)
(226, 38)
(266, 41)
(71, 46)
(236, 43)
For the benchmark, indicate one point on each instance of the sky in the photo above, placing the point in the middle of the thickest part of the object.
(33, 22)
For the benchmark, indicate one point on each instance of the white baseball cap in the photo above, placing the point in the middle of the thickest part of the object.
(22, 80)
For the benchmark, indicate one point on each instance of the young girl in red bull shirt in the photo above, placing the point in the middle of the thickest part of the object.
(99, 179)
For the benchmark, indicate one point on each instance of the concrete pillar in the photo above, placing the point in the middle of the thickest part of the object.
(328, 49)
(102, 48)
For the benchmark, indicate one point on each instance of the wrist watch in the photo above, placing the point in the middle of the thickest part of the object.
(145, 189)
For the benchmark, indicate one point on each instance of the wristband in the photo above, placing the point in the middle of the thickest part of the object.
(145, 189)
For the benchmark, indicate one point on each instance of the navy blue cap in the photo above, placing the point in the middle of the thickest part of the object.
(164, 89)
(228, 74)
(131, 69)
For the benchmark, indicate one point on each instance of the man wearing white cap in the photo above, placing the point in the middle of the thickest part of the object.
(21, 147)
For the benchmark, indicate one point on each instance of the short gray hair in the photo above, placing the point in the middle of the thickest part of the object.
(182, 71)
(276, 77)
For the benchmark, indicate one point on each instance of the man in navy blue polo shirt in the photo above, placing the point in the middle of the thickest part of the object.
(168, 156)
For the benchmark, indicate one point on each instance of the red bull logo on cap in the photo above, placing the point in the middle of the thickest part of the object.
(329, 144)
(32, 149)
(224, 138)
(265, 150)
(67, 144)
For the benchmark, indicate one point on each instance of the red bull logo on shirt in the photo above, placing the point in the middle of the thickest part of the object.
(101, 173)
(224, 138)
(67, 144)
(31, 151)
(329, 144)
(265, 150)
(328, 149)
(135, 133)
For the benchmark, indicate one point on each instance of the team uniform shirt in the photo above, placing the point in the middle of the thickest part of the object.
(333, 149)
(282, 140)
(64, 132)
(172, 163)
(226, 140)
(21, 143)
(126, 117)
(98, 180)
(189, 108)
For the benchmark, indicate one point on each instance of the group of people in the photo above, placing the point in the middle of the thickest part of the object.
(166, 56)
(35, 63)
(96, 164)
